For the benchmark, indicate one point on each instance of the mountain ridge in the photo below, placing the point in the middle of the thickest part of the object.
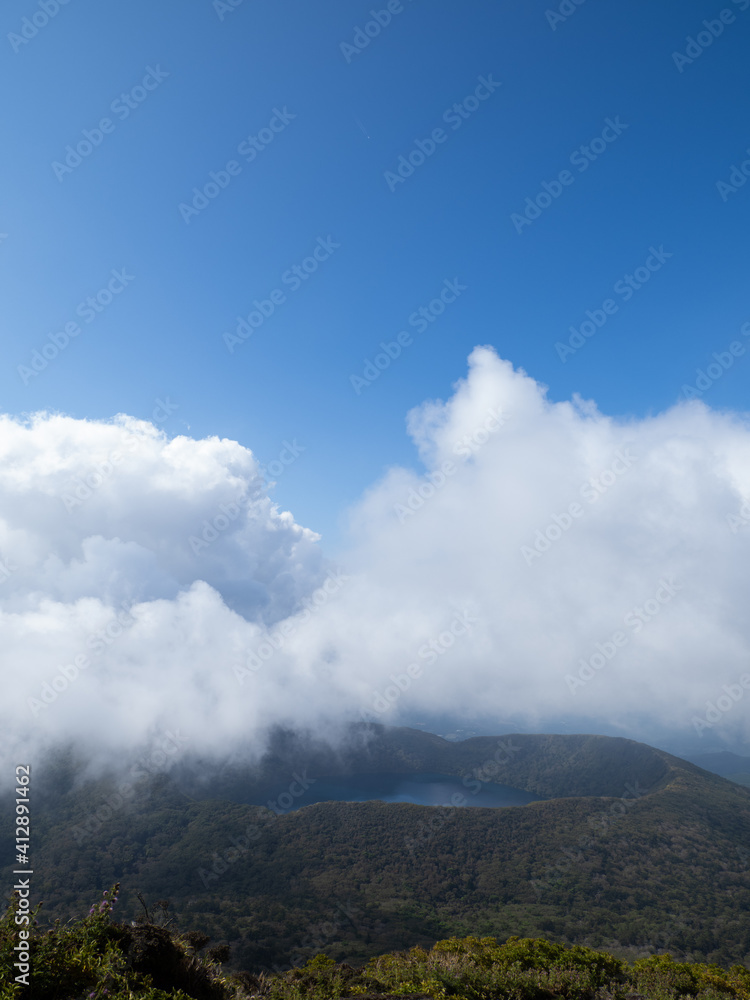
(563, 765)
(654, 855)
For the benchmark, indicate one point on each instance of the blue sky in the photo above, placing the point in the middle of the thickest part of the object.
(220, 74)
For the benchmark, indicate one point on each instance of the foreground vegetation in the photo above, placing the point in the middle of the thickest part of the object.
(97, 957)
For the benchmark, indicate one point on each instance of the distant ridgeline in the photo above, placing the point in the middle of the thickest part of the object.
(632, 850)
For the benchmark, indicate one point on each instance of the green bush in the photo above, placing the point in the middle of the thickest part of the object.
(96, 958)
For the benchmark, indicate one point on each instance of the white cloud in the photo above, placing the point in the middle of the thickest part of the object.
(548, 581)
(548, 524)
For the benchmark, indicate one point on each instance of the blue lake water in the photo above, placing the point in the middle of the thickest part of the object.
(422, 789)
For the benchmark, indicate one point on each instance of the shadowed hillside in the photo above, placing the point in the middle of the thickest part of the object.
(639, 852)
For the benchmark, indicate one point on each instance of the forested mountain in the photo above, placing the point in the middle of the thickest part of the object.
(633, 850)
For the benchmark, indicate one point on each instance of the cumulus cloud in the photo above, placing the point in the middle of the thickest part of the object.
(605, 562)
(546, 561)
(133, 569)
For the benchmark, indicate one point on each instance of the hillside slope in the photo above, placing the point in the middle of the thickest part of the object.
(638, 852)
